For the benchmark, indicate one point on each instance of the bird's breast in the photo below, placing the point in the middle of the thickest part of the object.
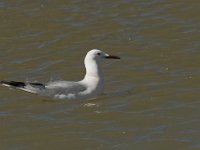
(94, 85)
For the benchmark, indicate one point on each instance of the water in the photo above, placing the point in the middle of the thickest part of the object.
(151, 98)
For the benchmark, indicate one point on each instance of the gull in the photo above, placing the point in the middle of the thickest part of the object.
(89, 87)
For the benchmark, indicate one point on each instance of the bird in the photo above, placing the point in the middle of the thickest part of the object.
(89, 87)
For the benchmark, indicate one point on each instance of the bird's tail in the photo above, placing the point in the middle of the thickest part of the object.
(28, 87)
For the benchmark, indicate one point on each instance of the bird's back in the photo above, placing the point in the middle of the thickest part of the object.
(64, 89)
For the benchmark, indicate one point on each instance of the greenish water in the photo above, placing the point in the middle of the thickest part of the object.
(151, 98)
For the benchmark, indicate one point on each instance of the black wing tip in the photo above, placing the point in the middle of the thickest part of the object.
(13, 83)
(37, 85)
(5, 81)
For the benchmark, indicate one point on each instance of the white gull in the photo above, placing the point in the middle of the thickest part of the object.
(90, 86)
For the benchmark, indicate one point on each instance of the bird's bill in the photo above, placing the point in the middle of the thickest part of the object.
(112, 57)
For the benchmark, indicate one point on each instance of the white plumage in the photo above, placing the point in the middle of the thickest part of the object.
(90, 86)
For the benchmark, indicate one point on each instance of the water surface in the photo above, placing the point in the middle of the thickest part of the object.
(151, 98)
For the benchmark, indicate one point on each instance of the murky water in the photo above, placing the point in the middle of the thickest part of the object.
(151, 98)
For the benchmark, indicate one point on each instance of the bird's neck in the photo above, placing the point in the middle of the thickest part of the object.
(93, 69)
(94, 77)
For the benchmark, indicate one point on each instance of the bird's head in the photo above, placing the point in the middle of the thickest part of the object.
(99, 55)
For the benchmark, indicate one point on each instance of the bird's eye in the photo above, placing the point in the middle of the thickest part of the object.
(98, 53)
